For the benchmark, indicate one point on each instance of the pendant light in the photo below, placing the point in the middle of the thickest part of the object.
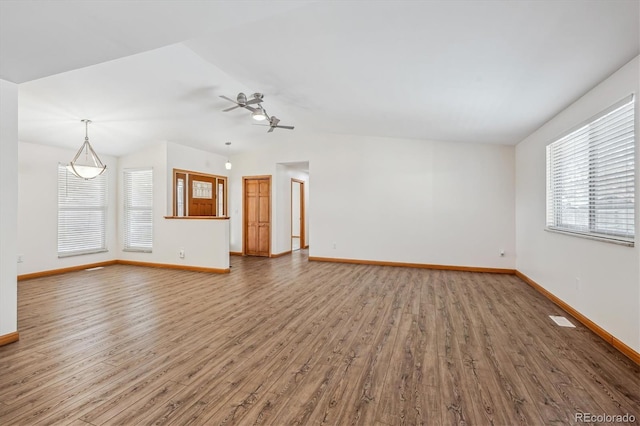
(227, 165)
(86, 164)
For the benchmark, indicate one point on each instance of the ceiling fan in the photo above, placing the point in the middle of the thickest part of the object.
(242, 101)
(258, 113)
(273, 123)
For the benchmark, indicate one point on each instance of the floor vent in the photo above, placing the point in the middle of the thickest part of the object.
(95, 269)
(561, 321)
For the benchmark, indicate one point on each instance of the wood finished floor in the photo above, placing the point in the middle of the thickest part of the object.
(287, 341)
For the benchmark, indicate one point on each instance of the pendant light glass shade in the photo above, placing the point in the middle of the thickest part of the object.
(86, 164)
(227, 165)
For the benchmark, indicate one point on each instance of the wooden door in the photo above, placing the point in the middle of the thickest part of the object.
(257, 216)
(202, 195)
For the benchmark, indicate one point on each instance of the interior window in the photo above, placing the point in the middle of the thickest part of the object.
(199, 194)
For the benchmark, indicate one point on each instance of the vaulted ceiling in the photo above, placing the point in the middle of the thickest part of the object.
(148, 71)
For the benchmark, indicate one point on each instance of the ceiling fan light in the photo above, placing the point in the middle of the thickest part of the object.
(259, 114)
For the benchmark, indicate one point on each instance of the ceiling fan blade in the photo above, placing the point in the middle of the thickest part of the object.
(229, 99)
(253, 101)
(270, 129)
(252, 109)
(284, 127)
(232, 108)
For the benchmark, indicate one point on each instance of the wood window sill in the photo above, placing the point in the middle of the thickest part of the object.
(198, 217)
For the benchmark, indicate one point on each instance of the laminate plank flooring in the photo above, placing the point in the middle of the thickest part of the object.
(286, 341)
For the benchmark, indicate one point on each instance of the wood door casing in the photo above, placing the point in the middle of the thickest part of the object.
(257, 216)
(264, 216)
(186, 204)
(180, 196)
(251, 216)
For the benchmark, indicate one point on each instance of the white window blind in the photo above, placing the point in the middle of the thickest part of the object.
(82, 214)
(138, 210)
(591, 179)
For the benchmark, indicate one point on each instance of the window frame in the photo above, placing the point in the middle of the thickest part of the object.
(187, 176)
(586, 140)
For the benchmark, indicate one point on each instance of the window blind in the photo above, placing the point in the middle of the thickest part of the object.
(82, 214)
(138, 210)
(591, 177)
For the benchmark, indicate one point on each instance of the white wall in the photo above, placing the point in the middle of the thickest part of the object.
(156, 158)
(205, 242)
(38, 209)
(307, 195)
(281, 233)
(608, 292)
(8, 206)
(187, 158)
(395, 199)
(255, 163)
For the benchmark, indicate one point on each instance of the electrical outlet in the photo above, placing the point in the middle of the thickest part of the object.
(334, 245)
(181, 253)
(20, 258)
(501, 252)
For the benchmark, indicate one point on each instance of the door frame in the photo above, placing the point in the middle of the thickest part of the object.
(244, 210)
(303, 218)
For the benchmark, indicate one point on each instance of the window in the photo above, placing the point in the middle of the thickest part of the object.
(590, 177)
(180, 194)
(199, 194)
(82, 214)
(138, 210)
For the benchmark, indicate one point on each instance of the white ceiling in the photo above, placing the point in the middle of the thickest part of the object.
(148, 71)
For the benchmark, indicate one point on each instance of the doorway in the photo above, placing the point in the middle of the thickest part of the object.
(256, 215)
(297, 215)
